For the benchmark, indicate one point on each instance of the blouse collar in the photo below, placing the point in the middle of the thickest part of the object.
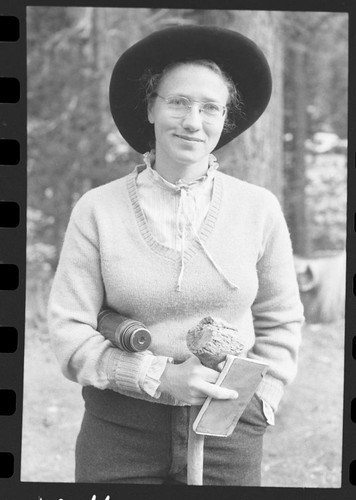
(149, 159)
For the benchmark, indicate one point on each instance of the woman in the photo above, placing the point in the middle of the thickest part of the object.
(175, 241)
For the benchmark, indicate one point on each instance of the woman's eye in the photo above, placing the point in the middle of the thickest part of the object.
(178, 101)
(211, 107)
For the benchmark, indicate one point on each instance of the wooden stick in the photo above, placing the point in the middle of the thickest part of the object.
(211, 340)
(195, 457)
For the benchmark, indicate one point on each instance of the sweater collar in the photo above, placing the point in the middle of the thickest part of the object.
(181, 211)
(185, 190)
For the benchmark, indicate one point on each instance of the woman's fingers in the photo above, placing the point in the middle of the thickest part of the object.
(217, 392)
(192, 382)
(203, 383)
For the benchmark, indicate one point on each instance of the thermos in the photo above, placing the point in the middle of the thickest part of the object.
(127, 334)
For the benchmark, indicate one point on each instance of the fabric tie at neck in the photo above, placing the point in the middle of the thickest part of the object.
(149, 160)
(185, 220)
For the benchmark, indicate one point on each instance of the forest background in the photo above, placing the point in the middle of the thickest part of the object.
(297, 150)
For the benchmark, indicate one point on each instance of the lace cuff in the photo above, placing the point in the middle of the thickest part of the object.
(152, 380)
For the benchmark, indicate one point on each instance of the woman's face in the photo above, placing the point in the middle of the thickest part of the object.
(188, 139)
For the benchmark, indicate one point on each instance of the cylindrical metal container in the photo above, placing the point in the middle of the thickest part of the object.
(127, 334)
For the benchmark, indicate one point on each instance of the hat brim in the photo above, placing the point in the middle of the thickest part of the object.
(235, 54)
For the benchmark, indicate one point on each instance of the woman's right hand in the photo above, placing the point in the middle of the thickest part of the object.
(192, 382)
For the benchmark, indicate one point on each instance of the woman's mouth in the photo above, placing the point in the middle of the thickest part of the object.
(189, 138)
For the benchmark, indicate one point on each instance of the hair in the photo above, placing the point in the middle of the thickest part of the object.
(150, 82)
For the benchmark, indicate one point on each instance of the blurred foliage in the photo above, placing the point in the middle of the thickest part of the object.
(72, 139)
(326, 173)
(322, 37)
(73, 144)
(316, 80)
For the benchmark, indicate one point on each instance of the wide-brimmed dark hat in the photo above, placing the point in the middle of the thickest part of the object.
(235, 54)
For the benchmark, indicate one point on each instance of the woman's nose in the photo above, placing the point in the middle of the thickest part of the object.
(193, 119)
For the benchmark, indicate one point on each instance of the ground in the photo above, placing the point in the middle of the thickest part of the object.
(303, 449)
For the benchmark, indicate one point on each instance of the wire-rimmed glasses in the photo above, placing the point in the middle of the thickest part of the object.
(180, 106)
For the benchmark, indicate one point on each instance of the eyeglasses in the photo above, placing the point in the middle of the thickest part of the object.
(180, 106)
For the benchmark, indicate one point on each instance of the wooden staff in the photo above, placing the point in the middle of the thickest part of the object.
(211, 341)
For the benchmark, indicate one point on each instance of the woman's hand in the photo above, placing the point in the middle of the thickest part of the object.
(193, 382)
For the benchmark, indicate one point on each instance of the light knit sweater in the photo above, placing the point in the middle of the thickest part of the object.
(110, 257)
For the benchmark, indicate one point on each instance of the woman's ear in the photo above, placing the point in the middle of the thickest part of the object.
(150, 112)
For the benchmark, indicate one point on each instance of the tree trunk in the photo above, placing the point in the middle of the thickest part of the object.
(297, 174)
(257, 155)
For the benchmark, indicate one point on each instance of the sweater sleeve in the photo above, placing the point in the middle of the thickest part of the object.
(77, 294)
(277, 309)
